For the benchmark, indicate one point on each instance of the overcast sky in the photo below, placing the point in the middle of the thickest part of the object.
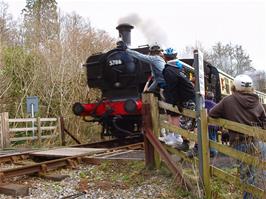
(177, 23)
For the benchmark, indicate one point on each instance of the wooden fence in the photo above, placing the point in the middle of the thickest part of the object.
(8, 133)
(155, 151)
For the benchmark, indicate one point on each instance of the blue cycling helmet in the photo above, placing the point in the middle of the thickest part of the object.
(170, 53)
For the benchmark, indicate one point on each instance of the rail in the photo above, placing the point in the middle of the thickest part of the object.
(156, 151)
(72, 161)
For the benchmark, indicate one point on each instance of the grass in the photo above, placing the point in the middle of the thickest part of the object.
(134, 173)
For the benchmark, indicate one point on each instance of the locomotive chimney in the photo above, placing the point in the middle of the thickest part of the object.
(124, 32)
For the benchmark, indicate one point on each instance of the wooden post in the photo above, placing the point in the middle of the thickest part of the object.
(155, 125)
(148, 148)
(61, 128)
(5, 137)
(1, 133)
(201, 118)
(39, 131)
(219, 137)
(152, 102)
(205, 152)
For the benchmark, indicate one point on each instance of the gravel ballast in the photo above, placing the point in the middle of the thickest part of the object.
(111, 179)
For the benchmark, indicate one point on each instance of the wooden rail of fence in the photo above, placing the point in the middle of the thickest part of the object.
(5, 129)
(155, 124)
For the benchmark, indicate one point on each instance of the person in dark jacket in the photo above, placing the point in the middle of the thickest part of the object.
(209, 103)
(179, 91)
(173, 118)
(242, 106)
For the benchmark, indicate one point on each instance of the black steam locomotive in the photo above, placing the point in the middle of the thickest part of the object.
(121, 78)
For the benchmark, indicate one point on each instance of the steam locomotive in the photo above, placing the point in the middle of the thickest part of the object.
(121, 78)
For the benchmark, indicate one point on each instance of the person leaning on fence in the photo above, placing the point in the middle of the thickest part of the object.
(155, 58)
(209, 103)
(179, 91)
(171, 138)
(242, 106)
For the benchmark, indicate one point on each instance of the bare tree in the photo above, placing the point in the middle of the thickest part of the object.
(231, 59)
(188, 51)
(259, 80)
(46, 61)
(56, 48)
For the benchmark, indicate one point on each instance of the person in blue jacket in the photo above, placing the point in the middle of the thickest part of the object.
(156, 60)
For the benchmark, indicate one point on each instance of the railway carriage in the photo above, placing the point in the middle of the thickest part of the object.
(226, 82)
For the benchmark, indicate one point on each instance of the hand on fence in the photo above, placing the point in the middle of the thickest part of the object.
(180, 108)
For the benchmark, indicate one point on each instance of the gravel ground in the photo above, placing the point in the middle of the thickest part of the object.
(111, 179)
(118, 179)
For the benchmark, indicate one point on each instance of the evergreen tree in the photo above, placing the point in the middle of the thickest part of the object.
(8, 32)
(40, 22)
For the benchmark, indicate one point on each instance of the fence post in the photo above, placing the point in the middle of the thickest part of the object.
(39, 131)
(152, 111)
(147, 123)
(61, 130)
(201, 118)
(205, 152)
(155, 125)
(5, 137)
(1, 132)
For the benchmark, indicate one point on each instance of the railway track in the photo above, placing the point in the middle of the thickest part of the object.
(114, 149)
(17, 157)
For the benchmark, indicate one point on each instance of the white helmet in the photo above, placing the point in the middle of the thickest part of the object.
(243, 83)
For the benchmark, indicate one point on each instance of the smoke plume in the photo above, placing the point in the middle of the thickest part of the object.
(152, 31)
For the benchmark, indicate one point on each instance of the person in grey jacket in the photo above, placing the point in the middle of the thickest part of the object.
(155, 58)
(242, 106)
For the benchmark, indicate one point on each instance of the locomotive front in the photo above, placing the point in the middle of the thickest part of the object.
(121, 79)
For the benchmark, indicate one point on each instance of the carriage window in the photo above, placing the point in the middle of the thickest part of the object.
(227, 86)
(222, 83)
(231, 84)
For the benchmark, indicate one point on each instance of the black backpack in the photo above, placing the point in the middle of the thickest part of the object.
(179, 88)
